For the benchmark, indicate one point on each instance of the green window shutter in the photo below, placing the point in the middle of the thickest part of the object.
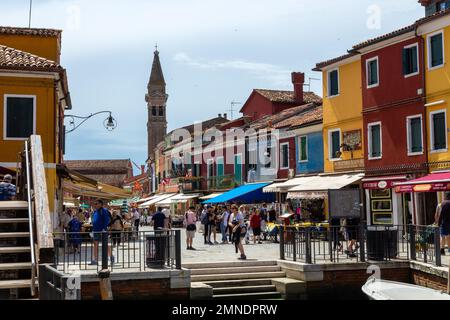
(415, 65)
(373, 76)
(416, 135)
(405, 62)
(285, 153)
(336, 144)
(303, 149)
(439, 131)
(436, 50)
(376, 141)
(334, 83)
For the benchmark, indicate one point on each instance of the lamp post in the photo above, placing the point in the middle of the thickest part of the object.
(109, 123)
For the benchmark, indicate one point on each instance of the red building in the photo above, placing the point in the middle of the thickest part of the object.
(395, 122)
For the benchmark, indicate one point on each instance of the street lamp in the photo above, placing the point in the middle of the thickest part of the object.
(110, 123)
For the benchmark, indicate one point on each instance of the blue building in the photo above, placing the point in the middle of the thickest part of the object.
(307, 129)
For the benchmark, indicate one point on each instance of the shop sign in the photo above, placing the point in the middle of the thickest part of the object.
(346, 165)
(379, 185)
(435, 187)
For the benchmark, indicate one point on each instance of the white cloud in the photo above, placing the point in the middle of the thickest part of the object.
(276, 75)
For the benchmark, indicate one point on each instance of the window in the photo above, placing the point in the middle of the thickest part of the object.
(435, 50)
(220, 167)
(375, 148)
(334, 140)
(19, 117)
(415, 138)
(303, 149)
(372, 72)
(161, 111)
(438, 128)
(284, 155)
(333, 82)
(410, 60)
(154, 111)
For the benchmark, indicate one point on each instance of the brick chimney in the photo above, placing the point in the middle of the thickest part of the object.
(298, 80)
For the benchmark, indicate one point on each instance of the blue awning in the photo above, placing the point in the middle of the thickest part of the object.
(248, 193)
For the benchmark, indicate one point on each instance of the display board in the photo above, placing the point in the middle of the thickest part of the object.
(345, 203)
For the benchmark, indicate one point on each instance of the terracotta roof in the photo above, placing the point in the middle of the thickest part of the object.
(207, 124)
(276, 119)
(11, 58)
(30, 31)
(324, 64)
(306, 118)
(100, 164)
(115, 180)
(283, 96)
(386, 36)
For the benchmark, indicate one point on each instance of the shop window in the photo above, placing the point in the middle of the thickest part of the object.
(334, 140)
(410, 60)
(333, 83)
(415, 138)
(284, 155)
(20, 117)
(375, 147)
(303, 149)
(435, 50)
(372, 72)
(381, 207)
(438, 131)
(220, 167)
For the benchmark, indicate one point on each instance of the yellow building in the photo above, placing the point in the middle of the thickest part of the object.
(33, 96)
(435, 31)
(342, 114)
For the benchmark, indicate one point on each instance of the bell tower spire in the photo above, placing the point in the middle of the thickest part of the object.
(156, 99)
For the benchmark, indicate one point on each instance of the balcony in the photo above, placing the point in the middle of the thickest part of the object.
(222, 182)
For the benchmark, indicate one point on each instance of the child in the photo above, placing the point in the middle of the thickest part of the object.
(75, 236)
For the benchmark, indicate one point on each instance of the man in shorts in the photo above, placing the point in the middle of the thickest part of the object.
(190, 221)
(100, 223)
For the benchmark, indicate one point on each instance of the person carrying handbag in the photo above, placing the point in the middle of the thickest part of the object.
(190, 220)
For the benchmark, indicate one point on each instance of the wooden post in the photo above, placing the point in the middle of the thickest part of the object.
(105, 285)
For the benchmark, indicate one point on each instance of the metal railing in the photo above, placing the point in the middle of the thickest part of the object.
(30, 220)
(360, 243)
(115, 251)
(222, 182)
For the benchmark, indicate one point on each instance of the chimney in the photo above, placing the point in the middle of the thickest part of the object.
(298, 80)
(220, 115)
(142, 169)
(225, 115)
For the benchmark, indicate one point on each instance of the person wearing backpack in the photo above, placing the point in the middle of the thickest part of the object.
(100, 223)
(7, 189)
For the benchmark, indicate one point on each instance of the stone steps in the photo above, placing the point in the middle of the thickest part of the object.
(237, 276)
(237, 283)
(244, 289)
(5, 250)
(249, 296)
(250, 269)
(13, 205)
(15, 284)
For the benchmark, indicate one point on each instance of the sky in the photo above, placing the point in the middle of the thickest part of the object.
(212, 52)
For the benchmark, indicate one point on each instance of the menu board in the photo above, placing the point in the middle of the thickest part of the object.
(345, 203)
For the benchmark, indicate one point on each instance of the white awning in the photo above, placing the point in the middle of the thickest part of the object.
(307, 195)
(184, 197)
(211, 196)
(285, 186)
(146, 199)
(328, 182)
(156, 199)
(166, 201)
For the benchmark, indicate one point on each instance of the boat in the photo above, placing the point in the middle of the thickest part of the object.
(377, 289)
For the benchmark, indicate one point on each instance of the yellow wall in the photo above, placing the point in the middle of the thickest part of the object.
(343, 111)
(437, 89)
(46, 47)
(44, 91)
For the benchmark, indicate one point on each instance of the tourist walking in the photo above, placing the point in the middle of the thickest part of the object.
(100, 222)
(255, 224)
(215, 220)
(116, 229)
(159, 220)
(238, 227)
(206, 222)
(444, 223)
(190, 220)
(224, 224)
(7, 189)
(74, 236)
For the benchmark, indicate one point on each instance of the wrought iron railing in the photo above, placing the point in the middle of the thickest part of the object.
(222, 182)
(336, 244)
(138, 251)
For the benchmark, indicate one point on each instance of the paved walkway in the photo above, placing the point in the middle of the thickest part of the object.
(226, 252)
